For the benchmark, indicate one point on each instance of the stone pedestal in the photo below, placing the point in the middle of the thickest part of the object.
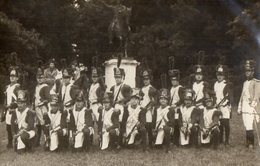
(128, 64)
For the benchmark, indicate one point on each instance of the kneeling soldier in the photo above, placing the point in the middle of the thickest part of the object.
(189, 119)
(210, 132)
(108, 124)
(23, 124)
(134, 120)
(56, 121)
(81, 124)
(163, 120)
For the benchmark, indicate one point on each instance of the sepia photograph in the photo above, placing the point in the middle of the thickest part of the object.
(129, 82)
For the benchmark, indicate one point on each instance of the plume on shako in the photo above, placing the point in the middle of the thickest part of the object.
(173, 73)
(146, 72)
(221, 68)
(199, 67)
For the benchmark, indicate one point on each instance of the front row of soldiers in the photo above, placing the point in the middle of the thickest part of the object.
(123, 116)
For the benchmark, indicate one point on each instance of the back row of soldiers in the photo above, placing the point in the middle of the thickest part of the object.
(67, 114)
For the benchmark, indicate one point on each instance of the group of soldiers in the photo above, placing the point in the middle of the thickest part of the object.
(69, 113)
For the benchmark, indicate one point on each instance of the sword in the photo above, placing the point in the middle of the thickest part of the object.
(256, 128)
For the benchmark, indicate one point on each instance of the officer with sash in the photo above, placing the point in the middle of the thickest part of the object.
(23, 120)
(10, 103)
(249, 102)
(56, 124)
(81, 124)
(108, 124)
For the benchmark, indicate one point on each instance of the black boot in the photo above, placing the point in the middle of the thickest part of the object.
(9, 137)
(38, 137)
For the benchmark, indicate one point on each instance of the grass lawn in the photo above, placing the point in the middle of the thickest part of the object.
(235, 154)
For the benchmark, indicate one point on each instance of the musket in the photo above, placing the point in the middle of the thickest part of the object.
(186, 131)
(129, 135)
(222, 101)
(206, 134)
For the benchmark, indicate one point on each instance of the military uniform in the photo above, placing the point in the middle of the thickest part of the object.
(22, 122)
(199, 87)
(189, 117)
(67, 92)
(108, 124)
(51, 74)
(41, 99)
(249, 103)
(55, 121)
(81, 125)
(223, 100)
(163, 122)
(148, 102)
(210, 122)
(10, 104)
(121, 95)
(176, 93)
(134, 122)
(95, 94)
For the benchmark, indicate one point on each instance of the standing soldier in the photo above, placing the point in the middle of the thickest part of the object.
(108, 123)
(189, 118)
(67, 96)
(96, 91)
(10, 103)
(163, 121)
(223, 93)
(134, 120)
(210, 122)
(149, 98)
(67, 91)
(81, 124)
(41, 99)
(121, 95)
(199, 85)
(23, 124)
(249, 102)
(57, 125)
(176, 93)
(51, 73)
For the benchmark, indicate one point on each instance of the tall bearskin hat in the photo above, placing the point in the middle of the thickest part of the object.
(209, 95)
(173, 73)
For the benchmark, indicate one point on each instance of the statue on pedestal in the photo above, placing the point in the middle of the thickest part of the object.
(119, 27)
